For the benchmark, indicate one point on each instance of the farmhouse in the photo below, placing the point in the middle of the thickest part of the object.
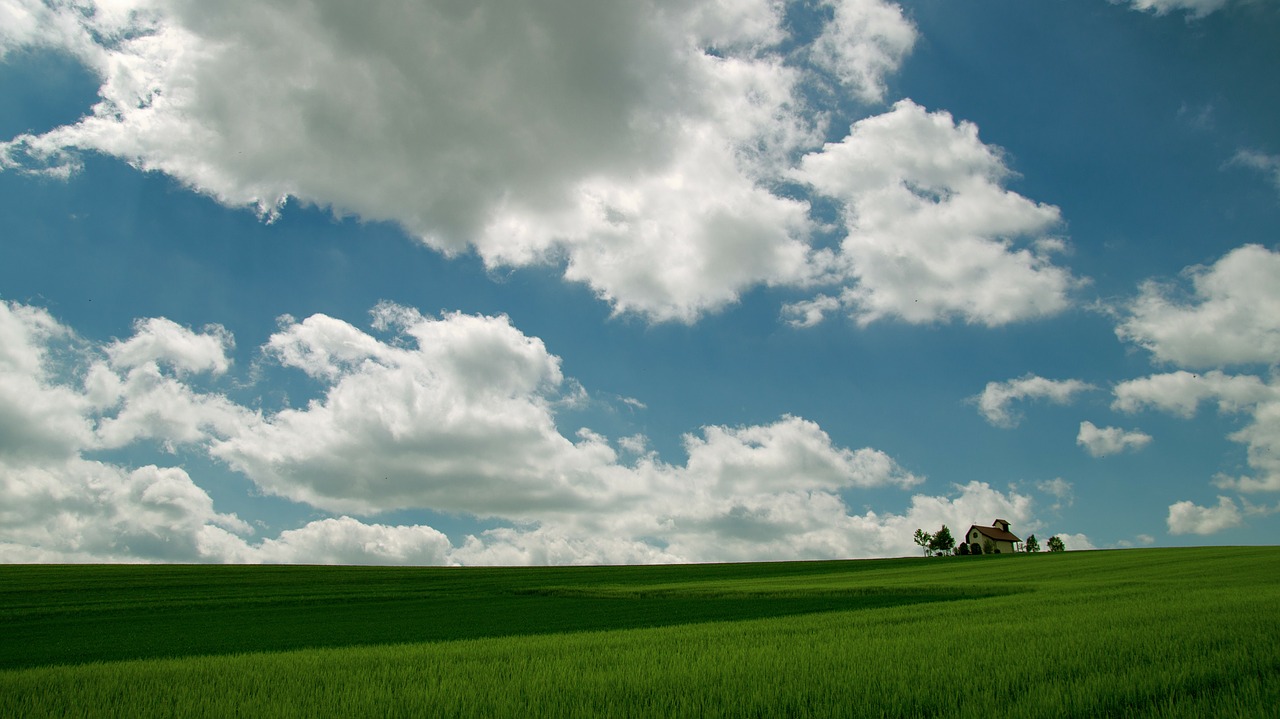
(1004, 541)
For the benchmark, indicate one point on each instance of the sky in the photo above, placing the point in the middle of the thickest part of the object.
(634, 281)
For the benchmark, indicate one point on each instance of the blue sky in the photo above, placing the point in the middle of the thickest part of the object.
(645, 282)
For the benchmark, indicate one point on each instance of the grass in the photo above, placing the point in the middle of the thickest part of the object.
(1180, 632)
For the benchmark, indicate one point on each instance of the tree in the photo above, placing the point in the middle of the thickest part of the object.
(1033, 544)
(1056, 545)
(975, 548)
(924, 539)
(988, 546)
(963, 549)
(942, 542)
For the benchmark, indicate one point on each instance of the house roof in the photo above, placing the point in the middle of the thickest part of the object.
(995, 533)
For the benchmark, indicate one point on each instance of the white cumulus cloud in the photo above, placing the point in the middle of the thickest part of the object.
(633, 143)
(865, 41)
(1076, 542)
(810, 313)
(972, 503)
(1268, 165)
(1103, 441)
(56, 505)
(792, 453)
(460, 419)
(996, 400)
(506, 546)
(1231, 316)
(39, 416)
(1060, 489)
(161, 340)
(454, 413)
(1194, 8)
(1181, 393)
(1189, 518)
(79, 510)
(340, 540)
(1262, 441)
(636, 145)
(932, 234)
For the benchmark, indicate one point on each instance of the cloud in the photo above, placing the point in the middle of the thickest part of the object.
(1104, 441)
(757, 492)
(634, 404)
(1145, 540)
(452, 413)
(1232, 315)
(25, 23)
(973, 503)
(161, 340)
(1262, 441)
(507, 546)
(996, 400)
(634, 144)
(1189, 518)
(323, 347)
(1194, 8)
(1258, 510)
(865, 41)
(458, 419)
(40, 418)
(810, 313)
(1181, 393)
(932, 234)
(1060, 489)
(56, 505)
(1076, 542)
(141, 391)
(704, 523)
(1262, 162)
(340, 540)
(456, 413)
(792, 453)
(810, 524)
(128, 391)
(80, 510)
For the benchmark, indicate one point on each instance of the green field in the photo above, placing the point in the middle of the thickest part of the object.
(1158, 632)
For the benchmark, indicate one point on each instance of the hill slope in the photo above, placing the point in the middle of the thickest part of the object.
(1167, 632)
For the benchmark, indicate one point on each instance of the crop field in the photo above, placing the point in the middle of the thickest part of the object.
(1156, 632)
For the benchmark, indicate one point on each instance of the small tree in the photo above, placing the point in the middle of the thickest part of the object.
(988, 546)
(1055, 544)
(975, 548)
(942, 542)
(1033, 544)
(924, 539)
(963, 549)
